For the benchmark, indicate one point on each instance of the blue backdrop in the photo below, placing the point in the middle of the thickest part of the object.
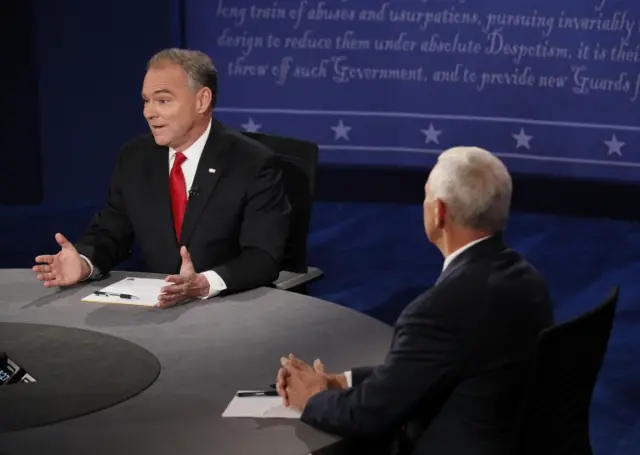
(551, 86)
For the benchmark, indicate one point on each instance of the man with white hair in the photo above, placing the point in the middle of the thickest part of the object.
(453, 379)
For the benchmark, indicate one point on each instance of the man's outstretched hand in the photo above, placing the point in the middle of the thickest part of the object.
(185, 286)
(63, 269)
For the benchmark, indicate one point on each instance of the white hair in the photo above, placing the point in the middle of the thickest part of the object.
(475, 186)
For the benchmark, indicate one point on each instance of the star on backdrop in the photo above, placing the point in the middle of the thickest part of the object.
(522, 139)
(431, 134)
(250, 126)
(341, 130)
(614, 146)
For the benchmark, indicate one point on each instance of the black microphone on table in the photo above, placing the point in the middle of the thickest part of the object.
(194, 191)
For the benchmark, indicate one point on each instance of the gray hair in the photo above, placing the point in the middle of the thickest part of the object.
(197, 65)
(476, 187)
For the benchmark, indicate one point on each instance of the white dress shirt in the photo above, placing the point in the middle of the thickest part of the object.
(189, 168)
(446, 263)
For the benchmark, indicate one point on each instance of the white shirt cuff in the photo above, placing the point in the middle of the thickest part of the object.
(347, 375)
(86, 259)
(216, 283)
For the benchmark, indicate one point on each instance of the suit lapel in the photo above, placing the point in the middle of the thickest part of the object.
(210, 167)
(159, 200)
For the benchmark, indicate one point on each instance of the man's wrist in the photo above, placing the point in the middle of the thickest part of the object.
(215, 284)
(338, 381)
(86, 269)
(202, 283)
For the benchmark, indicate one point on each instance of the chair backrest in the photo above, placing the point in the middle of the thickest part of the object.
(299, 161)
(555, 413)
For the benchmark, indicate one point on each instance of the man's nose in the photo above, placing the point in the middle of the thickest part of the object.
(148, 111)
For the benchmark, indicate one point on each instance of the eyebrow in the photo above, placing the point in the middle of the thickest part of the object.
(159, 92)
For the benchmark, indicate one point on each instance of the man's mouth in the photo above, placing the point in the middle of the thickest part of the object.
(157, 127)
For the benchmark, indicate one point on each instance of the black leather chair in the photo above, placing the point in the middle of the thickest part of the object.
(299, 162)
(555, 412)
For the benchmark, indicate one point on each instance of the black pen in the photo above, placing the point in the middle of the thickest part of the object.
(259, 393)
(115, 294)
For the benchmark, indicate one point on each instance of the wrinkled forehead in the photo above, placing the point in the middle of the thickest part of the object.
(168, 76)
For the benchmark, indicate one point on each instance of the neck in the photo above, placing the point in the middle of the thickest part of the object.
(455, 239)
(192, 135)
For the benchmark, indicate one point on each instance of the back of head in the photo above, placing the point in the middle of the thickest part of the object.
(475, 186)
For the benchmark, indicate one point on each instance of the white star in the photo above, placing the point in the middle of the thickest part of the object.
(431, 134)
(522, 140)
(614, 146)
(251, 127)
(341, 130)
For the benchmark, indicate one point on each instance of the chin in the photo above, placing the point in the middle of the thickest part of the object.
(161, 140)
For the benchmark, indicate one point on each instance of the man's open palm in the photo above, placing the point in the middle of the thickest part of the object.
(63, 269)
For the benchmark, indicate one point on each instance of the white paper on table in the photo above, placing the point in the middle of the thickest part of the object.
(259, 407)
(146, 290)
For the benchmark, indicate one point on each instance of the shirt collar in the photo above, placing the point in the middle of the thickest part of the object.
(457, 252)
(194, 151)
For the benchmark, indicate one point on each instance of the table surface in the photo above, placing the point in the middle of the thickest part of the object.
(208, 350)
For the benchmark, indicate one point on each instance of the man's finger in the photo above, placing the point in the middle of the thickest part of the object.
(172, 289)
(281, 382)
(281, 379)
(42, 268)
(293, 370)
(296, 362)
(47, 276)
(166, 296)
(63, 242)
(289, 364)
(53, 283)
(167, 303)
(176, 279)
(318, 366)
(45, 259)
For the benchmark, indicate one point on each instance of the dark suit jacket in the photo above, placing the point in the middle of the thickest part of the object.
(236, 224)
(453, 379)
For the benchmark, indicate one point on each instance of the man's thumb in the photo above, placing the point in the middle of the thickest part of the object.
(318, 366)
(186, 257)
(63, 242)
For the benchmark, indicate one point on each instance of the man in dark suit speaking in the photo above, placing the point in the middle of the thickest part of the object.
(453, 379)
(206, 204)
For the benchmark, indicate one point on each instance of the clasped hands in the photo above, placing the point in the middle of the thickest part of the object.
(297, 381)
(67, 268)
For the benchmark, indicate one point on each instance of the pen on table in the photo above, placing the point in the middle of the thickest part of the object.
(258, 393)
(116, 294)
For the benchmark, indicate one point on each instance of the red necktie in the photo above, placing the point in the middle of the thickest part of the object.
(178, 192)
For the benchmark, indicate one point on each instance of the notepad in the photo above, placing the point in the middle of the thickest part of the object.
(144, 291)
(259, 408)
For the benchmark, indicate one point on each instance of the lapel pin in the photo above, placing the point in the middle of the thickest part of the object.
(212, 170)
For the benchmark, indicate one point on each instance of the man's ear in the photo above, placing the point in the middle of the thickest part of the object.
(441, 212)
(204, 100)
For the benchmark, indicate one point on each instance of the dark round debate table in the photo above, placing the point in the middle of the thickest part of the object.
(205, 350)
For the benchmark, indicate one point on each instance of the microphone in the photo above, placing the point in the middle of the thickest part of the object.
(194, 191)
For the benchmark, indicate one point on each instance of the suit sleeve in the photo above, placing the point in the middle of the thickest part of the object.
(109, 239)
(263, 233)
(358, 375)
(420, 365)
